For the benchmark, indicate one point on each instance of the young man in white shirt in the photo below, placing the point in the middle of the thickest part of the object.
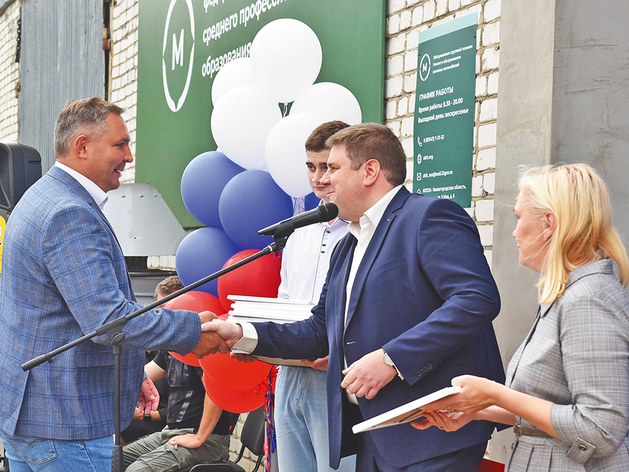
(300, 393)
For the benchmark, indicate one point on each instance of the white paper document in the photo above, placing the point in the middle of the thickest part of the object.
(405, 413)
(279, 310)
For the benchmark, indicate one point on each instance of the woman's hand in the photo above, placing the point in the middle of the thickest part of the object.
(479, 399)
(477, 393)
(443, 420)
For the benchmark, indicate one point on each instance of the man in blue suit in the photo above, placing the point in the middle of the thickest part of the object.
(64, 275)
(407, 305)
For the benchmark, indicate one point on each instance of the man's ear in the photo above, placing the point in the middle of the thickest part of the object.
(79, 146)
(372, 171)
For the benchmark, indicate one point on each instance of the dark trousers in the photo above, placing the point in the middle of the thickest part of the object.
(463, 460)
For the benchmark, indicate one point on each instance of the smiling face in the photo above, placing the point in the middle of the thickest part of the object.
(108, 154)
(529, 234)
(345, 186)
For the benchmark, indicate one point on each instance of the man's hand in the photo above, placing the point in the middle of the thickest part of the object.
(209, 343)
(149, 397)
(207, 316)
(319, 364)
(138, 414)
(248, 358)
(191, 441)
(231, 333)
(366, 376)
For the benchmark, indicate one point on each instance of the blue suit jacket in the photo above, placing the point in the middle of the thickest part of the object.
(64, 275)
(423, 292)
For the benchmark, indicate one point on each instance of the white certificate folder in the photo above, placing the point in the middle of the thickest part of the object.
(405, 413)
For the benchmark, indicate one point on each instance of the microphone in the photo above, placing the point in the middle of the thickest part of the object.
(325, 212)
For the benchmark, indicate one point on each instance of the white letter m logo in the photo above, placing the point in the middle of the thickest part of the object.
(177, 50)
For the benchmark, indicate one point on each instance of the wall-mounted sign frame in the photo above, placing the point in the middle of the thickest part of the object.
(444, 111)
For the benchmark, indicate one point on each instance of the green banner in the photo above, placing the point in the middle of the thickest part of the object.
(184, 43)
(444, 111)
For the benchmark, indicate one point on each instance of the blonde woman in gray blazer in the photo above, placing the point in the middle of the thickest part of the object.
(567, 388)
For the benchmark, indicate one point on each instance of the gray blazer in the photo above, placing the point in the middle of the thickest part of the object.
(577, 356)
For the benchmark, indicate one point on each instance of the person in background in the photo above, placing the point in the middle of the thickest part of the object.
(64, 275)
(567, 389)
(408, 302)
(300, 398)
(167, 286)
(147, 423)
(197, 430)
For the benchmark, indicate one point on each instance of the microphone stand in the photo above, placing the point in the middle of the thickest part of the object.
(113, 330)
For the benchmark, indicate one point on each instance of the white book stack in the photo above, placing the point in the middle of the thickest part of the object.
(278, 310)
(260, 309)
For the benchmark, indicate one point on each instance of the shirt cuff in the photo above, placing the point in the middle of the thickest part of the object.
(249, 340)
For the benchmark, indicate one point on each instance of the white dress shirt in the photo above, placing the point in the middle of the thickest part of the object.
(97, 193)
(309, 247)
(365, 229)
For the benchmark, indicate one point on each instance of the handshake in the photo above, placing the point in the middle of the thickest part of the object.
(216, 335)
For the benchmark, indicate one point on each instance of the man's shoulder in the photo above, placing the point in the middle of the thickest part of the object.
(53, 189)
(417, 201)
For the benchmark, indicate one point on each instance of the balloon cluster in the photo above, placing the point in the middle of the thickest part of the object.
(234, 386)
(251, 182)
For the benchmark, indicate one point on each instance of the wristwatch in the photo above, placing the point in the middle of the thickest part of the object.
(147, 417)
(388, 361)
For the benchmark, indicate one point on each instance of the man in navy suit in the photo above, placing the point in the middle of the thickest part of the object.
(407, 305)
(64, 275)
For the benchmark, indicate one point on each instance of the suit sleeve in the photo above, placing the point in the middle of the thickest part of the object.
(593, 337)
(451, 257)
(78, 250)
(307, 339)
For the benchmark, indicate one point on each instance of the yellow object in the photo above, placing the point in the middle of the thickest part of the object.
(3, 225)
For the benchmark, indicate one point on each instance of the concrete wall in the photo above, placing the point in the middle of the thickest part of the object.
(564, 98)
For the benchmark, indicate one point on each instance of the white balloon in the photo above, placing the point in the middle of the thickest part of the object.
(286, 154)
(233, 74)
(286, 58)
(330, 101)
(241, 122)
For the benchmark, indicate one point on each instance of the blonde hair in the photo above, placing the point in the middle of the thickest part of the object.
(578, 198)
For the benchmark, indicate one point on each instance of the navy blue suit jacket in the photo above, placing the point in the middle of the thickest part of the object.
(423, 292)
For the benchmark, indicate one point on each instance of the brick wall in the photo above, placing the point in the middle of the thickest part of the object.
(123, 75)
(9, 73)
(405, 19)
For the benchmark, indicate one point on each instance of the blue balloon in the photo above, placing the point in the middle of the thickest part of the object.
(249, 202)
(202, 253)
(311, 201)
(203, 181)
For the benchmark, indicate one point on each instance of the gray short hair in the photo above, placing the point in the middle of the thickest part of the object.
(86, 116)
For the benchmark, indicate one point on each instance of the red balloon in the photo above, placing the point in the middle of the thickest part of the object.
(194, 301)
(259, 278)
(229, 372)
(233, 400)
